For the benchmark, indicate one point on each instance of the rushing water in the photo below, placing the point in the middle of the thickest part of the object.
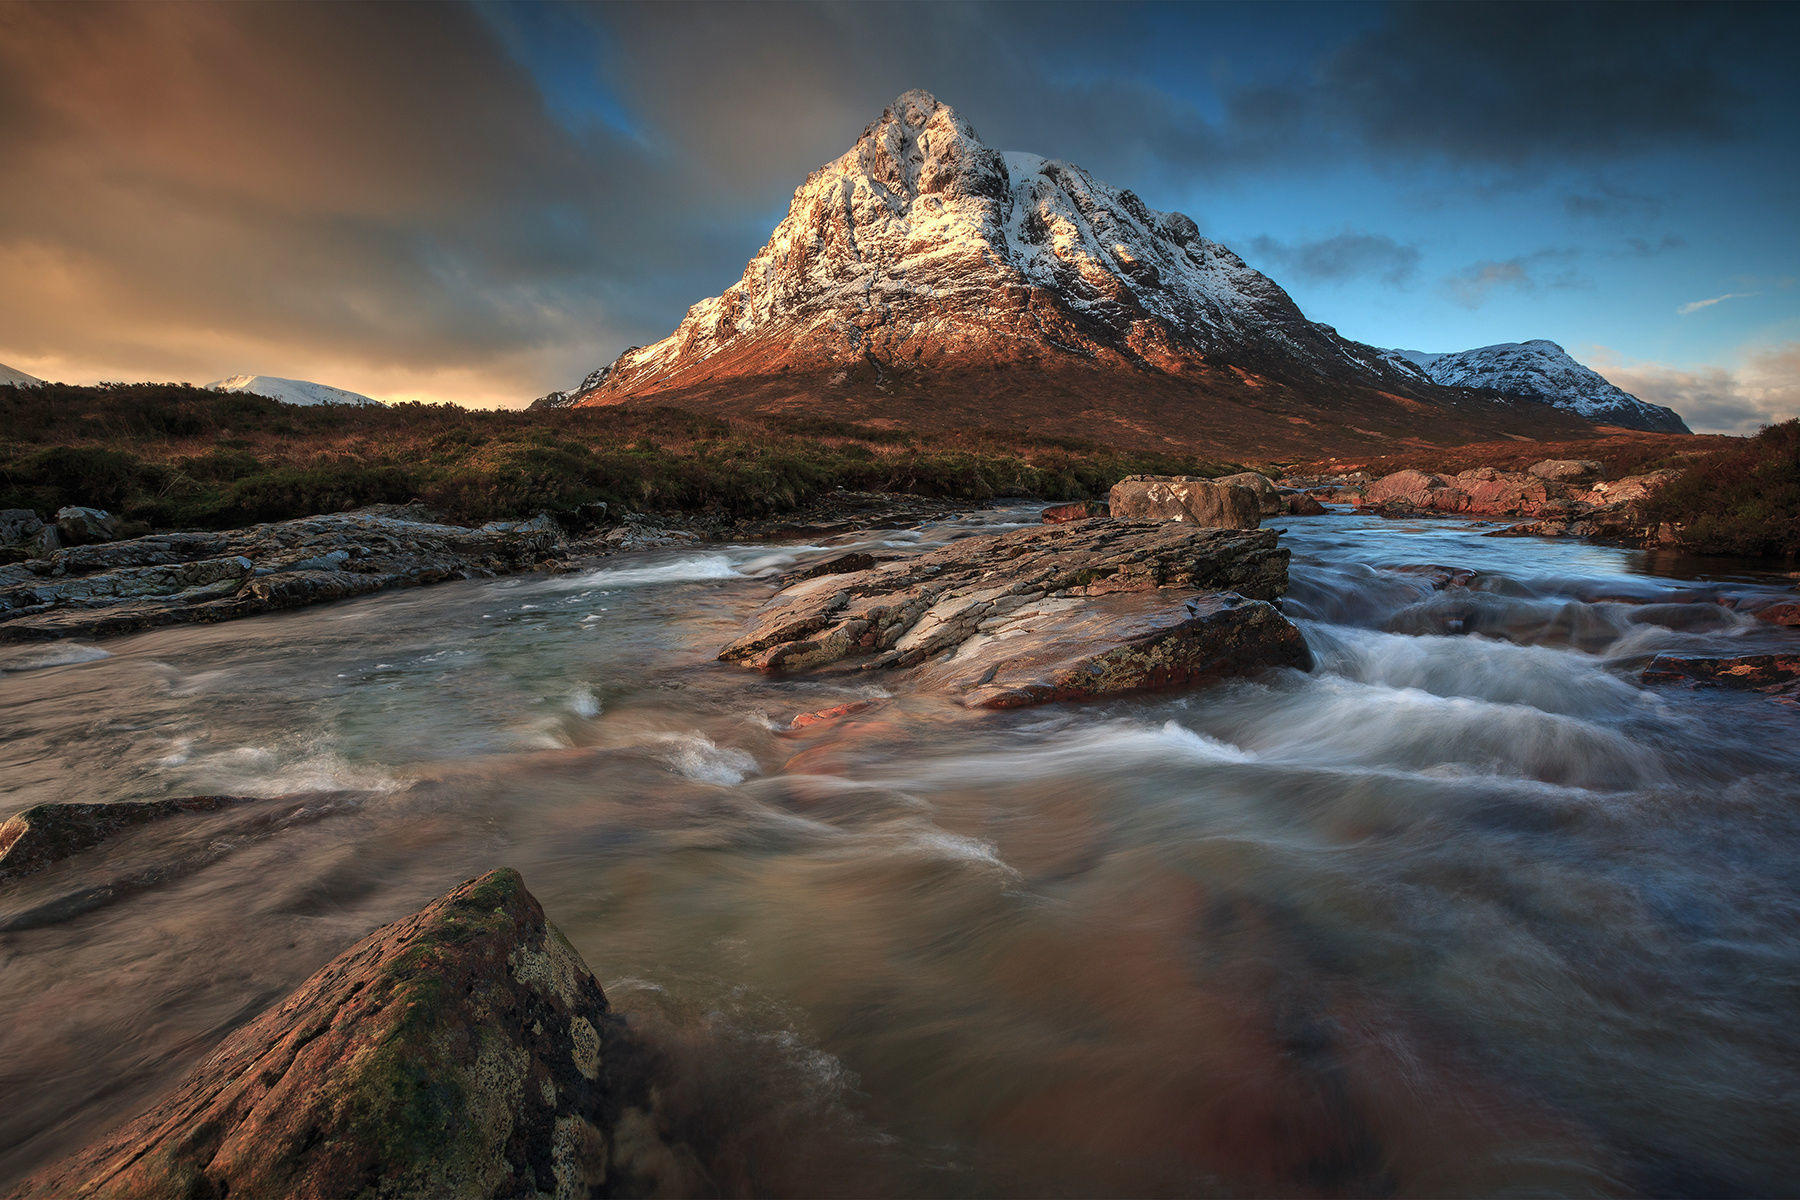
(1467, 909)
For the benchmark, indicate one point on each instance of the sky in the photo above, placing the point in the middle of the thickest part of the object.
(479, 203)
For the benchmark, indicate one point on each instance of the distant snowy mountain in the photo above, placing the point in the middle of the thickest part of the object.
(289, 391)
(1542, 371)
(567, 399)
(17, 378)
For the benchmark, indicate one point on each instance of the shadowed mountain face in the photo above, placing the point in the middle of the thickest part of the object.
(925, 280)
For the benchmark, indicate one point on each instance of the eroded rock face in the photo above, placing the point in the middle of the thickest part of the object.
(1057, 612)
(175, 578)
(463, 1051)
(1211, 503)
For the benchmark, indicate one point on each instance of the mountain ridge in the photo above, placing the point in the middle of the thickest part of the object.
(923, 279)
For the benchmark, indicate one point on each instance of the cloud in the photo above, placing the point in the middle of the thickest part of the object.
(1764, 389)
(1694, 306)
(490, 200)
(1638, 247)
(1348, 255)
(1550, 268)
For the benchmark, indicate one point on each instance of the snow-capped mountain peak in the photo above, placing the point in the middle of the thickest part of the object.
(14, 378)
(921, 245)
(1543, 371)
(289, 391)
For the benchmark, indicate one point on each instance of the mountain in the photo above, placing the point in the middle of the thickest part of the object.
(10, 377)
(568, 398)
(289, 391)
(1543, 371)
(926, 281)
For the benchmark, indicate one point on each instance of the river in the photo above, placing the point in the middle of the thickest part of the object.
(1465, 910)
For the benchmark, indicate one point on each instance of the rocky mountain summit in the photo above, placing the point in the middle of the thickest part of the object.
(1543, 371)
(925, 278)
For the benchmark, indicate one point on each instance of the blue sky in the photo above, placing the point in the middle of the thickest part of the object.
(481, 202)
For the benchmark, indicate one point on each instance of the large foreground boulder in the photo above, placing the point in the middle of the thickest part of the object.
(174, 578)
(1064, 611)
(1186, 498)
(465, 1051)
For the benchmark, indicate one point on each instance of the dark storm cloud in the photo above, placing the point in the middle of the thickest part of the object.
(309, 188)
(418, 197)
(1347, 255)
(1523, 83)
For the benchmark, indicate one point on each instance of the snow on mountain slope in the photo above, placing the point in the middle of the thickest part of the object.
(922, 245)
(289, 391)
(1543, 371)
(567, 398)
(925, 280)
(17, 378)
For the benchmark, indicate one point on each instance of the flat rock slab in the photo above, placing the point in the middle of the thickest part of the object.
(1076, 649)
(463, 1051)
(1061, 611)
(178, 578)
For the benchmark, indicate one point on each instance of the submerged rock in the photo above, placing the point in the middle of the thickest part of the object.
(1186, 498)
(464, 1051)
(46, 833)
(176, 578)
(1776, 675)
(1056, 612)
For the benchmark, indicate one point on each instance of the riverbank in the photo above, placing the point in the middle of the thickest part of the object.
(168, 457)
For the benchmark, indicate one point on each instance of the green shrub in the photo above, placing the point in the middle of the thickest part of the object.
(1743, 500)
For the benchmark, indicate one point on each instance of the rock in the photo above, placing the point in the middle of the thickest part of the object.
(46, 833)
(85, 526)
(825, 716)
(1785, 613)
(462, 1051)
(1080, 510)
(1776, 675)
(1066, 649)
(1058, 611)
(1300, 504)
(172, 578)
(19, 526)
(843, 564)
(1185, 498)
(1412, 488)
(1566, 470)
(1268, 497)
(1633, 489)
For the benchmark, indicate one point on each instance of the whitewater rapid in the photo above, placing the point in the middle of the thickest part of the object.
(1467, 909)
